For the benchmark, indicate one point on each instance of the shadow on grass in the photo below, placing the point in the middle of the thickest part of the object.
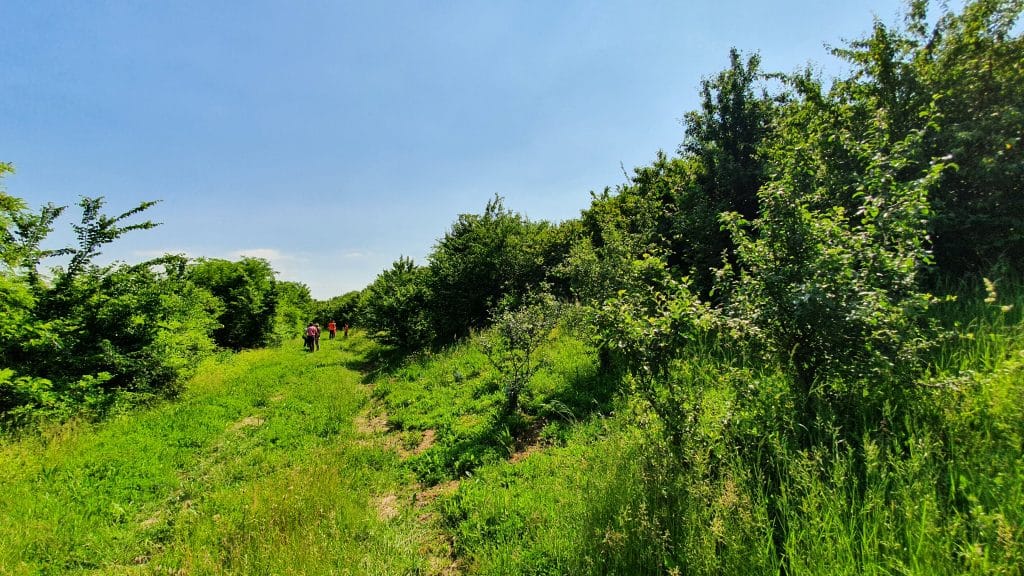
(502, 434)
(585, 394)
(581, 392)
(375, 361)
(459, 453)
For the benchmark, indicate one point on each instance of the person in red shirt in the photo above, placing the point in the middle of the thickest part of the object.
(332, 328)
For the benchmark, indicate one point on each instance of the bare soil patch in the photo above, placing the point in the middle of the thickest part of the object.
(247, 422)
(387, 506)
(429, 436)
(528, 442)
(425, 497)
(152, 520)
(371, 425)
(523, 453)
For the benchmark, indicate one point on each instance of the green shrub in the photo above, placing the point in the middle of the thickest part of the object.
(91, 335)
(249, 296)
(395, 306)
(513, 342)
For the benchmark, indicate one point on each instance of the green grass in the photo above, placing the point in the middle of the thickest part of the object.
(257, 469)
(264, 466)
(459, 395)
(942, 493)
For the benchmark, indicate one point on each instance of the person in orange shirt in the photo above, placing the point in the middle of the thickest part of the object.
(332, 328)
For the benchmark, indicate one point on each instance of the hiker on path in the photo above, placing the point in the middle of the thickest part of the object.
(332, 328)
(316, 337)
(345, 328)
(309, 337)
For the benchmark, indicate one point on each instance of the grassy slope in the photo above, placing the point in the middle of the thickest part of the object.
(277, 461)
(603, 494)
(258, 469)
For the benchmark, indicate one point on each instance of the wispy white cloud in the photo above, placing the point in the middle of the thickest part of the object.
(326, 274)
(288, 265)
(270, 254)
(285, 263)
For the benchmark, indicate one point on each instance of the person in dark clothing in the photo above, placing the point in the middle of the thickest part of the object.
(310, 337)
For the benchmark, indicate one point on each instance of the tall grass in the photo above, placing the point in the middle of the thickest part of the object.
(939, 493)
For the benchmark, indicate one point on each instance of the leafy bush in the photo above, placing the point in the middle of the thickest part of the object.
(484, 259)
(960, 73)
(90, 334)
(395, 305)
(292, 311)
(512, 344)
(831, 290)
(248, 291)
(344, 309)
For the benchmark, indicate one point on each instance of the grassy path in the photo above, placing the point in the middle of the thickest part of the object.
(259, 468)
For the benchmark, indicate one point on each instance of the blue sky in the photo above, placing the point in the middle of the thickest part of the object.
(333, 137)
